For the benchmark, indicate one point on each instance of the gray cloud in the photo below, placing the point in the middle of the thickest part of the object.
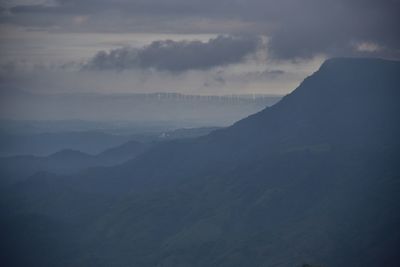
(177, 56)
(335, 28)
(297, 28)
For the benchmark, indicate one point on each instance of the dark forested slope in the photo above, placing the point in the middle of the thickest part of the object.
(312, 179)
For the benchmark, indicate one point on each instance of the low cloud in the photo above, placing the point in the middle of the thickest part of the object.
(177, 56)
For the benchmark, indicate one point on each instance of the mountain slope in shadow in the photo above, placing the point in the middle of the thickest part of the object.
(314, 178)
(67, 161)
(70, 161)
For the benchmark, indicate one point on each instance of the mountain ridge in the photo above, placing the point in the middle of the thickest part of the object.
(313, 178)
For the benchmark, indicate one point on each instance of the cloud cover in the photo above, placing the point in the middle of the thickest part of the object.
(296, 28)
(177, 56)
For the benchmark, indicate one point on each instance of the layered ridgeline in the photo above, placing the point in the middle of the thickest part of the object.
(68, 161)
(313, 179)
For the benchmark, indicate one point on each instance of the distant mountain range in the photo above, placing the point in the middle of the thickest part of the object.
(312, 179)
(39, 155)
(88, 141)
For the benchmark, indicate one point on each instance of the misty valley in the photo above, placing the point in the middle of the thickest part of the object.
(304, 180)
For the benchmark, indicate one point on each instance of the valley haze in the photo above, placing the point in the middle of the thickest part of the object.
(314, 178)
(213, 133)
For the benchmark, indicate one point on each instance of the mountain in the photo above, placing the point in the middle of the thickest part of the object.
(102, 136)
(313, 179)
(69, 161)
(42, 144)
(124, 152)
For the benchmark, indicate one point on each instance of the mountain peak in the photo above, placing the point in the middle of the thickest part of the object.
(348, 100)
(353, 61)
(360, 69)
(343, 76)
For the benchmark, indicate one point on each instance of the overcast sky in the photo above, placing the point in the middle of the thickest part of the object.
(187, 46)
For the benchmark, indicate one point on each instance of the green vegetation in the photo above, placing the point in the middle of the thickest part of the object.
(232, 199)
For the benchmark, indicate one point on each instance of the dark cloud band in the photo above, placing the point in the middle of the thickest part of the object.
(297, 28)
(177, 56)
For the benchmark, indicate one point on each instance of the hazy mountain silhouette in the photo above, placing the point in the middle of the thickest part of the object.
(69, 161)
(43, 144)
(313, 178)
(92, 141)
